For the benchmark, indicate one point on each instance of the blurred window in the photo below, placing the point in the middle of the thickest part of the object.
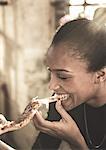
(84, 8)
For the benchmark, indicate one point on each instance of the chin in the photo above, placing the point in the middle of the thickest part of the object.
(67, 105)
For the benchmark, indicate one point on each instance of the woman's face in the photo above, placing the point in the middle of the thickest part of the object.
(69, 76)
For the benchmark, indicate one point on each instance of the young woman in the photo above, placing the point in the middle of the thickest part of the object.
(76, 60)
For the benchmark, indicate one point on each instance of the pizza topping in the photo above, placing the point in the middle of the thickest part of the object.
(34, 105)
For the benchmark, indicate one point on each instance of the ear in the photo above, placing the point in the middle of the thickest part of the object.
(100, 75)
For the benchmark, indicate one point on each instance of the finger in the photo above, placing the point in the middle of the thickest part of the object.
(42, 123)
(62, 111)
(38, 125)
(47, 127)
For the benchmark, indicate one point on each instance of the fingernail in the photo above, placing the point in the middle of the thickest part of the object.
(37, 112)
(59, 102)
(40, 112)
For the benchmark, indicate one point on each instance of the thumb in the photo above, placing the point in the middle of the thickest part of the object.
(62, 111)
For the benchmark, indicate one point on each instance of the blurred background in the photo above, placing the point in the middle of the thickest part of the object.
(26, 31)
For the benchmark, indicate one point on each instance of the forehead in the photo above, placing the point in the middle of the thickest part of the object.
(57, 52)
(59, 58)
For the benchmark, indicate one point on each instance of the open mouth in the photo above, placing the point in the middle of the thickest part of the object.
(51, 99)
(61, 97)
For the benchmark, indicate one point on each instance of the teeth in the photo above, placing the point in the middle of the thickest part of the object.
(54, 98)
(61, 97)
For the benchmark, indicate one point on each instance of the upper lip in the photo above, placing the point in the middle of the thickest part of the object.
(61, 93)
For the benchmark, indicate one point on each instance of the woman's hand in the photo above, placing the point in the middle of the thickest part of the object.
(66, 129)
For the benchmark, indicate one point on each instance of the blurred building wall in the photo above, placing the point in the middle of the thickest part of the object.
(26, 30)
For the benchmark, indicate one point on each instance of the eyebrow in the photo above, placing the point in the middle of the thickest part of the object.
(60, 70)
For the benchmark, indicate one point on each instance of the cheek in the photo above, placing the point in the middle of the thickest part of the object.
(80, 85)
(68, 86)
(84, 88)
(80, 90)
(84, 81)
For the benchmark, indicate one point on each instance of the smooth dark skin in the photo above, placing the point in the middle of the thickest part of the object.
(69, 75)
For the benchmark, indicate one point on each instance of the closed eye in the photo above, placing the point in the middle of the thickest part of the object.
(60, 73)
(63, 77)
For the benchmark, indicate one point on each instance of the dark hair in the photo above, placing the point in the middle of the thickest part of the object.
(86, 39)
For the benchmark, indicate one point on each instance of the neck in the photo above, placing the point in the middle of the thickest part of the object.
(94, 103)
(99, 100)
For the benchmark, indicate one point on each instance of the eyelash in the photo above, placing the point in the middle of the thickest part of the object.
(61, 77)
(58, 75)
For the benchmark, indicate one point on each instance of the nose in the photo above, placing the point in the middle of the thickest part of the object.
(53, 84)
